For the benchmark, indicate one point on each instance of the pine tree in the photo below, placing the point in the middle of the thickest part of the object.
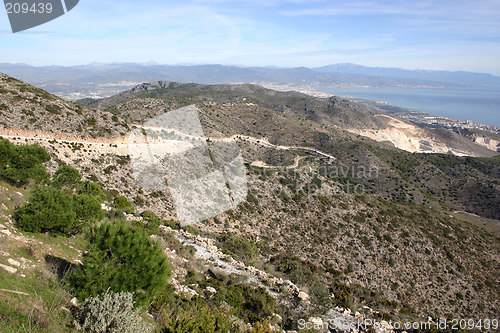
(92, 189)
(19, 164)
(66, 178)
(87, 208)
(48, 209)
(121, 258)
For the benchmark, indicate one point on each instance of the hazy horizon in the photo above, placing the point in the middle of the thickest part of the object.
(154, 63)
(448, 35)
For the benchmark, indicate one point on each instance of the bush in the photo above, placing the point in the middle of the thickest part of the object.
(87, 208)
(122, 203)
(121, 258)
(66, 178)
(92, 189)
(239, 248)
(19, 164)
(173, 224)
(251, 304)
(110, 313)
(152, 224)
(48, 209)
(197, 317)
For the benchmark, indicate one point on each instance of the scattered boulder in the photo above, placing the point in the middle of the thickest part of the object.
(6, 232)
(14, 262)
(276, 319)
(303, 296)
(316, 321)
(9, 269)
(211, 290)
(74, 301)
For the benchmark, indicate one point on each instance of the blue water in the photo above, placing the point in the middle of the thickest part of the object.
(481, 105)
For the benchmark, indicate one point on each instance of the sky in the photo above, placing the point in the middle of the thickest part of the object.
(449, 35)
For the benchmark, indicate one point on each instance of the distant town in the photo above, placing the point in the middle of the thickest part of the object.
(423, 118)
(417, 117)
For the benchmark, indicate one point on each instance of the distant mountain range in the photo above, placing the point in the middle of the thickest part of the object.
(459, 78)
(102, 80)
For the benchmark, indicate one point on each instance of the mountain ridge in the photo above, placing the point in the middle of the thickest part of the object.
(108, 79)
(354, 117)
(445, 76)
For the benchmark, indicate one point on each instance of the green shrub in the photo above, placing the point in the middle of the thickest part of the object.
(122, 203)
(48, 209)
(54, 109)
(91, 121)
(111, 313)
(121, 258)
(19, 164)
(110, 169)
(239, 248)
(172, 224)
(249, 303)
(188, 228)
(152, 224)
(87, 208)
(66, 178)
(296, 269)
(91, 188)
(196, 317)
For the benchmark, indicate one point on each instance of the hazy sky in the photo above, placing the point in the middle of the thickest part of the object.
(453, 35)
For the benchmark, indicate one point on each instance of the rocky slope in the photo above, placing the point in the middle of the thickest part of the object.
(28, 108)
(356, 118)
(416, 139)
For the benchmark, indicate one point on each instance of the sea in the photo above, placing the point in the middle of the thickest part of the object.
(480, 105)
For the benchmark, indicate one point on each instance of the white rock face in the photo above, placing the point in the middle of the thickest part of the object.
(489, 143)
(14, 262)
(407, 136)
(9, 269)
(6, 232)
(303, 296)
(211, 290)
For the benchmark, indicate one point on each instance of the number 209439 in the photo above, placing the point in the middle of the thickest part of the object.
(25, 8)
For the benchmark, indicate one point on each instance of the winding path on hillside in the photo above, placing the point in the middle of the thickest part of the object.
(122, 142)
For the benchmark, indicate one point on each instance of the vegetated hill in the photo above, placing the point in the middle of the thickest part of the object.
(373, 227)
(290, 118)
(353, 117)
(28, 108)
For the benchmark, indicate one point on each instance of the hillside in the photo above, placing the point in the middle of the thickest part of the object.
(353, 117)
(28, 108)
(334, 223)
(281, 119)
